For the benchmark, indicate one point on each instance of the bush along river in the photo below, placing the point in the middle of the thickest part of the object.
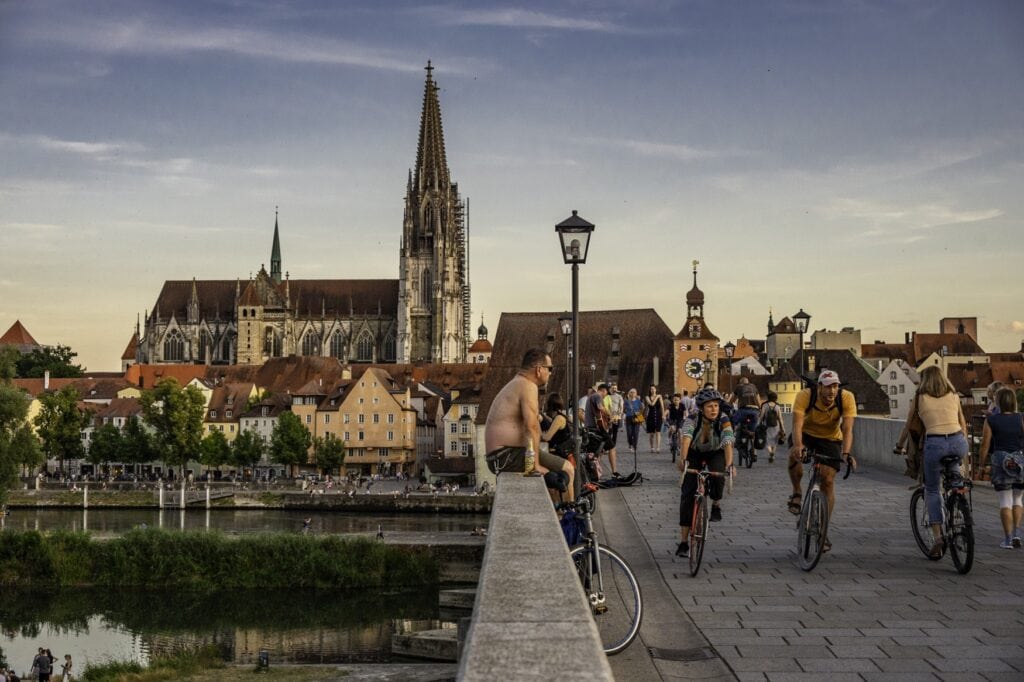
(304, 598)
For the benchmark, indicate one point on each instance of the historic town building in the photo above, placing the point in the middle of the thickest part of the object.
(695, 348)
(423, 316)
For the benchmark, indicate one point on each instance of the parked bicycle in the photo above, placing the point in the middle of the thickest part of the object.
(608, 582)
(699, 520)
(957, 521)
(812, 524)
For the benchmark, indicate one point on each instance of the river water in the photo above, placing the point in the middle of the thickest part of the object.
(294, 626)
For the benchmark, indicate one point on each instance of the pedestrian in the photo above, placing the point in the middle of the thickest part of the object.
(1002, 438)
(771, 417)
(513, 422)
(633, 413)
(990, 392)
(655, 408)
(65, 669)
(615, 404)
(598, 418)
(42, 666)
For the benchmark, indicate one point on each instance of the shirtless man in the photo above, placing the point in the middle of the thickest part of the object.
(514, 418)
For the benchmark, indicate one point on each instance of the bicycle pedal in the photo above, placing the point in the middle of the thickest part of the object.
(600, 609)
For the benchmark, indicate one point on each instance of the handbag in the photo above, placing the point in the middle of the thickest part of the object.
(760, 436)
(507, 459)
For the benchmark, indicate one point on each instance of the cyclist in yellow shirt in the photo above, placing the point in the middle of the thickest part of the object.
(825, 427)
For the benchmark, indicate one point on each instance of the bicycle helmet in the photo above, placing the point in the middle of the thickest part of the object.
(706, 395)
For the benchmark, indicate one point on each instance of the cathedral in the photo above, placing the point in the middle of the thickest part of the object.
(423, 316)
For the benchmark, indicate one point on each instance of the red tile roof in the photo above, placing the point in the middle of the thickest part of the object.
(17, 335)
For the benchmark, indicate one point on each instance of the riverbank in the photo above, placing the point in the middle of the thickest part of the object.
(210, 560)
(227, 498)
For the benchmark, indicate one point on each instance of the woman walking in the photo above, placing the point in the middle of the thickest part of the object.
(655, 407)
(633, 413)
(1003, 438)
(938, 406)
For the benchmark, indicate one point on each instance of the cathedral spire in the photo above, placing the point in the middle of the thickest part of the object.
(431, 164)
(275, 254)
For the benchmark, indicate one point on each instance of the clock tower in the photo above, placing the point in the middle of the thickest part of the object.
(695, 348)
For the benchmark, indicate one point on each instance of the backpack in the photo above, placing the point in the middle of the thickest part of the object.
(717, 426)
(746, 418)
(814, 401)
(771, 415)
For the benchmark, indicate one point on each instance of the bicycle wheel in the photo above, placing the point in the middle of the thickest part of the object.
(613, 593)
(698, 532)
(750, 455)
(812, 528)
(919, 522)
(960, 533)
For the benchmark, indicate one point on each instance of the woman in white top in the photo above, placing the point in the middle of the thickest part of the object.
(938, 406)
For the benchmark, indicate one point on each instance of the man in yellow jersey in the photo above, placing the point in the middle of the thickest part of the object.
(826, 427)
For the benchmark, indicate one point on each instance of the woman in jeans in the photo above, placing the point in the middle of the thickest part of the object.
(633, 406)
(1003, 437)
(938, 406)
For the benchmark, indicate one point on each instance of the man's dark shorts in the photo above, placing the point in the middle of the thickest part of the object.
(832, 449)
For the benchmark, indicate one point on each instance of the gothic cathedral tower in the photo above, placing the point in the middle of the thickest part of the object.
(433, 269)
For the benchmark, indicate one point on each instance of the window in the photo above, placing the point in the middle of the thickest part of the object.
(391, 419)
(310, 344)
(892, 404)
(389, 347)
(391, 435)
(362, 419)
(465, 426)
(213, 414)
(327, 419)
(348, 436)
(231, 428)
(376, 418)
(348, 418)
(454, 446)
(364, 347)
(465, 410)
(362, 435)
(892, 390)
(903, 388)
(337, 345)
(426, 285)
(376, 400)
(227, 413)
(455, 427)
(309, 419)
(385, 452)
(892, 375)
(465, 449)
(174, 347)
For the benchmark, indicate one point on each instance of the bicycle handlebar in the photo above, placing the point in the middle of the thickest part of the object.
(809, 454)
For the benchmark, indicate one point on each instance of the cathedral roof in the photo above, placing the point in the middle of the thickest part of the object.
(132, 347)
(216, 298)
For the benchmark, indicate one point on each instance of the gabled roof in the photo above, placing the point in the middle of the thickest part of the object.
(121, 407)
(277, 402)
(34, 387)
(955, 344)
(216, 298)
(703, 332)
(785, 326)
(232, 397)
(131, 350)
(888, 351)
(147, 376)
(643, 335)
(969, 376)
(17, 335)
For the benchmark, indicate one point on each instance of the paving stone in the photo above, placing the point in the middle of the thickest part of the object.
(905, 665)
(834, 665)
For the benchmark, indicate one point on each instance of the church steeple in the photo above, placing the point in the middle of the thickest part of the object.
(275, 254)
(695, 297)
(431, 163)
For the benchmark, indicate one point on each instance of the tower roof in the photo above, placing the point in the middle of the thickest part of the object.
(17, 335)
(275, 253)
(695, 297)
(431, 163)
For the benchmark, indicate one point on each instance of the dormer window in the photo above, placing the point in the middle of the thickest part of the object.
(227, 413)
(213, 414)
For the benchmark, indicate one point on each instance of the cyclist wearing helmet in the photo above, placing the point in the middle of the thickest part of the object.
(706, 438)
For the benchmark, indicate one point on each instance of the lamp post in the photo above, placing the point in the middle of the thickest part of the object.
(730, 350)
(593, 373)
(801, 319)
(565, 324)
(574, 234)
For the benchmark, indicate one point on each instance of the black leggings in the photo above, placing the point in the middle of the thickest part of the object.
(715, 484)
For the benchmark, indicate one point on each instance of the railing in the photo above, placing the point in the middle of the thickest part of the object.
(531, 620)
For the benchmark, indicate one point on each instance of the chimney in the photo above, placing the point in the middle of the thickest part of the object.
(46, 380)
(906, 337)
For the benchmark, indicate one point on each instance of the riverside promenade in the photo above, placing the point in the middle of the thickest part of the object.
(874, 608)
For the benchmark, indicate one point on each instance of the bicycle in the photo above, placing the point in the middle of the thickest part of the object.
(674, 441)
(957, 522)
(608, 582)
(812, 524)
(699, 519)
(745, 450)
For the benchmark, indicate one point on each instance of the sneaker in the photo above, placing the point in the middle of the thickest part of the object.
(771, 459)
(615, 474)
(1016, 542)
(1006, 544)
(716, 513)
(683, 550)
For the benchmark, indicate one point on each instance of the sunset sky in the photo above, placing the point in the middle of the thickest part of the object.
(861, 160)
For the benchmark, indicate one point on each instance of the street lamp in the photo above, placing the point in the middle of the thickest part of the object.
(574, 234)
(730, 350)
(801, 319)
(593, 373)
(565, 324)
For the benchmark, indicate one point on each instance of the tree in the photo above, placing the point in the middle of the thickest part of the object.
(176, 417)
(214, 450)
(107, 445)
(328, 453)
(57, 360)
(247, 450)
(138, 444)
(18, 443)
(59, 424)
(289, 441)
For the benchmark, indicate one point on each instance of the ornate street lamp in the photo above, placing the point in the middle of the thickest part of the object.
(565, 324)
(730, 350)
(593, 373)
(574, 234)
(801, 320)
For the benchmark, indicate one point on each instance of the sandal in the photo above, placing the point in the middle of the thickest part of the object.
(826, 546)
(794, 503)
(937, 550)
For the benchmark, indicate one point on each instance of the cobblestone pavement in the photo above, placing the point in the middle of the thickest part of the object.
(874, 608)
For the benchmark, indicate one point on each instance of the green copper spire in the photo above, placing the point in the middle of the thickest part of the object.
(275, 253)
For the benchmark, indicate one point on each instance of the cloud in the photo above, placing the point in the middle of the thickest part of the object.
(664, 150)
(907, 221)
(1017, 326)
(519, 18)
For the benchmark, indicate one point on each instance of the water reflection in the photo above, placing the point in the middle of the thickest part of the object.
(233, 521)
(296, 626)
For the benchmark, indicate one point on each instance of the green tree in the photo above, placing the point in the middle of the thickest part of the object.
(176, 416)
(18, 443)
(289, 441)
(214, 450)
(247, 449)
(328, 453)
(138, 444)
(58, 360)
(9, 357)
(59, 424)
(107, 445)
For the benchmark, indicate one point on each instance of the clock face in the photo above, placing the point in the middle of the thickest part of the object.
(694, 368)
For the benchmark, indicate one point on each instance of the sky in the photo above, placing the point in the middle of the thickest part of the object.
(859, 159)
